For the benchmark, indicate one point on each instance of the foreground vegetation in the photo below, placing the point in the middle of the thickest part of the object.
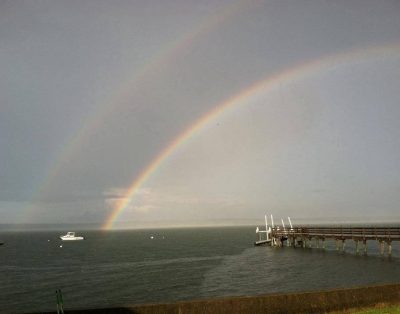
(385, 310)
(378, 309)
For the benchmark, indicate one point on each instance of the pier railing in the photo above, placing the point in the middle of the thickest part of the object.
(304, 236)
(357, 233)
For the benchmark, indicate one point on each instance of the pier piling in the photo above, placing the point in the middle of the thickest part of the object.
(382, 247)
(307, 237)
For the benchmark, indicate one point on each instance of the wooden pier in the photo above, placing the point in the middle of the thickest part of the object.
(306, 235)
(303, 237)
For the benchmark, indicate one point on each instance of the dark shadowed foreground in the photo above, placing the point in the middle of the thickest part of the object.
(308, 302)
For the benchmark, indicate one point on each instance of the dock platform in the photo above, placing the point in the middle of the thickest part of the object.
(303, 236)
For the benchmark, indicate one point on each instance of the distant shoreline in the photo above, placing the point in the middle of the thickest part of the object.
(293, 303)
(6, 227)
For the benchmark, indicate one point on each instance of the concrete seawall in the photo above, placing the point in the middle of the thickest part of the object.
(307, 302)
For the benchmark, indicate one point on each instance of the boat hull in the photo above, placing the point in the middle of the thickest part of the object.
(71, 239)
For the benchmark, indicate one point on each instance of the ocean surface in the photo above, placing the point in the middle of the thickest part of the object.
(119, 268)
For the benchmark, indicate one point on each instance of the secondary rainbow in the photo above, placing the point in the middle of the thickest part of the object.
(163, 57)
(263, 86)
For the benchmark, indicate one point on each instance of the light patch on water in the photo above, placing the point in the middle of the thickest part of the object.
(263, 270)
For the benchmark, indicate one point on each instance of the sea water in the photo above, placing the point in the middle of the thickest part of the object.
(119, 268)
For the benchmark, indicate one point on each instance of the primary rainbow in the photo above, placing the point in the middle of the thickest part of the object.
(263, 86)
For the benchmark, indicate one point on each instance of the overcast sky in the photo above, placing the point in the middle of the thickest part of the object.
(91, 92)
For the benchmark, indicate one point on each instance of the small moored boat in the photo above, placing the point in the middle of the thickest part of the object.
(70, 236)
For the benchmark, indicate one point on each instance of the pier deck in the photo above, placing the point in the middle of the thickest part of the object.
(355, 233)
(303, 236)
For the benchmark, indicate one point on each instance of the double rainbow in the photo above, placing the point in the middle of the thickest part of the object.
(245, 96)
(165, 56)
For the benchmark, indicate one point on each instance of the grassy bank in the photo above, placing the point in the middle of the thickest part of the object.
(380, 308)
(373, 299)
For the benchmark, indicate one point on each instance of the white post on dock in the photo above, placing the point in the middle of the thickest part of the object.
(273, 240)
(290, 223)
(283, 225)
(266, 227)
(291, 231)
(266, 222)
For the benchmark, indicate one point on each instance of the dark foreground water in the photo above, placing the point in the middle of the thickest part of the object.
(127, 267)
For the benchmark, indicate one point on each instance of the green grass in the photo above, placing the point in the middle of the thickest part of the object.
(385, 310)
(378, 309)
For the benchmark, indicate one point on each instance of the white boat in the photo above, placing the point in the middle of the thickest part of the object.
(70, 236)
